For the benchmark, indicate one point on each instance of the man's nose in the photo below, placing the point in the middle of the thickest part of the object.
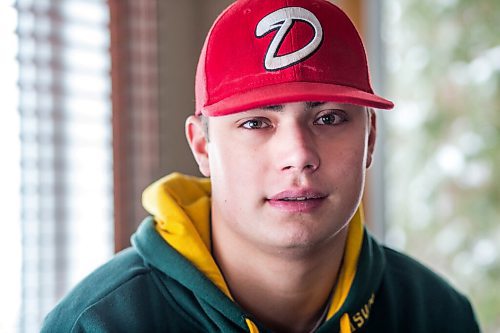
(297, 150)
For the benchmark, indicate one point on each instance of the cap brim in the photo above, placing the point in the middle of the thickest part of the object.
(294, 92)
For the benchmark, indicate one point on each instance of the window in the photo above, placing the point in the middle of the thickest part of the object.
(66, 148)
(443, 142)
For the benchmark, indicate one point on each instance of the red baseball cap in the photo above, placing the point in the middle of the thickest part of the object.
(267, 52)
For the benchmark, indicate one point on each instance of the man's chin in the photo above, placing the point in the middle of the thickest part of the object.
(298, 242)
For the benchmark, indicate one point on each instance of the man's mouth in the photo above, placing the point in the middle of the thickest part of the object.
(298, 195)
(297, 200)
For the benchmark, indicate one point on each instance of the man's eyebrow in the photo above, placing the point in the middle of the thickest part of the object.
(312, 105)
(279, 107)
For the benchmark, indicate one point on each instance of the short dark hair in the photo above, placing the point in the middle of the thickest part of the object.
(204, 123)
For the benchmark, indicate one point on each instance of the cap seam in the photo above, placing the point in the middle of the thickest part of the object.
(292, 39)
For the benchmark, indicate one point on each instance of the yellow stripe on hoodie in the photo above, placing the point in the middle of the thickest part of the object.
(350, 262)
(181, 208)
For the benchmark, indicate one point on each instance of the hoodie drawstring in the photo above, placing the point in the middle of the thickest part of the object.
(251, 326)
(345, 324)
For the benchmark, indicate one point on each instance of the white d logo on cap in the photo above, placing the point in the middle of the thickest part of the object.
(283, 20)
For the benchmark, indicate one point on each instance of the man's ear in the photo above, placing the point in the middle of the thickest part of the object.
(372, 135)
(196, 136)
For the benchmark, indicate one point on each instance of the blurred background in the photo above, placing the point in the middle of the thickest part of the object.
(94, 96)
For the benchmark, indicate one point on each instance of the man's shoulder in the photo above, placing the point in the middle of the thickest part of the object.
(109, 287)
(412, 290)
(114, 275)
(404, 269)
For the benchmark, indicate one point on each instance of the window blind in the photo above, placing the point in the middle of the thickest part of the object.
(66, 148)
(10, 245)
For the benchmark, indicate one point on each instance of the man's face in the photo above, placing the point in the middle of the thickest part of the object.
(287, 176)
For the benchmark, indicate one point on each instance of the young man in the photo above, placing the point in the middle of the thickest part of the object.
(275, 240)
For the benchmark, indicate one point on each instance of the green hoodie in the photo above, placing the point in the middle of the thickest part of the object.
(168, 281)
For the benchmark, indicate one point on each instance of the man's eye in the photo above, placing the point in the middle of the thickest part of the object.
(254, 124)
(332, 118)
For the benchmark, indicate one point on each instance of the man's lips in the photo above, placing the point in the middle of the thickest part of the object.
(298, 195)
(302, 200)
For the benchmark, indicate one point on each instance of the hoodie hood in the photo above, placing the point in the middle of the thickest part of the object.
(180, 206)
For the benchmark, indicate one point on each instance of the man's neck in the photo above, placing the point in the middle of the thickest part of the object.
(286, 292)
